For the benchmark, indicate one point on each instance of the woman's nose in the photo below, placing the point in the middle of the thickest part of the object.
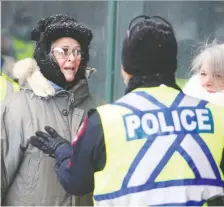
(209, 81)
(71, 57)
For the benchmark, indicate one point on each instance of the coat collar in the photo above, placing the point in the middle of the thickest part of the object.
(194, 88)
(30, 78)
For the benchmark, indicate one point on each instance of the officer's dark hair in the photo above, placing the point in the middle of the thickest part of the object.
(149, 50)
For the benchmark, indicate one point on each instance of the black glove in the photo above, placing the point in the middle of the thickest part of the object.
(48, 143)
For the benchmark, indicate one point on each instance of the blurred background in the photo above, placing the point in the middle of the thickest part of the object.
(194, 22)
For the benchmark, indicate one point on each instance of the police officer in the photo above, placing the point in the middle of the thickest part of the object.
(22, 44)
(8, 85)
(155, 145)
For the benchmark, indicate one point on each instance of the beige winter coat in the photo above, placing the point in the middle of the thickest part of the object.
(27, 176)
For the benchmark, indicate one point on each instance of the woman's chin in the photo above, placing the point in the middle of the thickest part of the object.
(69, 78)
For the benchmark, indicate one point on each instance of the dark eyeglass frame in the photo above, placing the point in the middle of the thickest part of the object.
(79, 52)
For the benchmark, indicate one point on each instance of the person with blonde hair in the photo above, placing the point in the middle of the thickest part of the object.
(207, 81)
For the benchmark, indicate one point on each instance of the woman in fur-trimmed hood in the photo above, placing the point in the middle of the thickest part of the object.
(54, 90)
(208, 80)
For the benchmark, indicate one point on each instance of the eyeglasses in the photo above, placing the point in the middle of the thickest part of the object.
(59, 52)
(144, 17)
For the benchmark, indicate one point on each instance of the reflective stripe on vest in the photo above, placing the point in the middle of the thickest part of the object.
(162, 152)
(7, 86)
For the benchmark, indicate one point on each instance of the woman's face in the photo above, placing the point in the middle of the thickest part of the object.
(211, 82)
(67, 53)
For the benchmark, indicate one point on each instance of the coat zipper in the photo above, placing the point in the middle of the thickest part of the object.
(72, 98)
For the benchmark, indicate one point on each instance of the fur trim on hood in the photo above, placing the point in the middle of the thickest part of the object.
(28, 72)
(194, 88)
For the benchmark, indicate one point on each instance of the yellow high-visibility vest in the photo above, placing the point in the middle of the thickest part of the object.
(162, 148)
(8, 86)
(23, 49)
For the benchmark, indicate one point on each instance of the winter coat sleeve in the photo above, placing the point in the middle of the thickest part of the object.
(11, 154)
(76, 165)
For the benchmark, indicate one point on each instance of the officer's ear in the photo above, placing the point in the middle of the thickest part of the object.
(125, 75)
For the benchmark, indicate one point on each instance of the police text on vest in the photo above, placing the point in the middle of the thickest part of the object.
(168, 121)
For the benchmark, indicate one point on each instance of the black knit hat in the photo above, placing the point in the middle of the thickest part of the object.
(150, 47)
(50, 29)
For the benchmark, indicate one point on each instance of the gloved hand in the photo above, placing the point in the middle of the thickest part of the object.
(48, 143)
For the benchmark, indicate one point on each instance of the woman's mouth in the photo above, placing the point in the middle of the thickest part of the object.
(211, 91)
(69, 73)
(69, 68)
